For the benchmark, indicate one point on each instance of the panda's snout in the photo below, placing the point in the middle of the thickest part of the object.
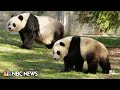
(9, 28)
(54, 58)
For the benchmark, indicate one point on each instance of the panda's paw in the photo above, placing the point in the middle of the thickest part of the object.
(24, 47)
(86, 71)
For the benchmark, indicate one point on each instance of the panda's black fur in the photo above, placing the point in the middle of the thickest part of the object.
(29, 32)
(73, 57)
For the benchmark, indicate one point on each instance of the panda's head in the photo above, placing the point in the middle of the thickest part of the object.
(16, 23)
(60, 48)
(59, 51)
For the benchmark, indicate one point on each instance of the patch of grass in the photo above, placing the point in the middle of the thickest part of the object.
(109, 41)
(13, 58)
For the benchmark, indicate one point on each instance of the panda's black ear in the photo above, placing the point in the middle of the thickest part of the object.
(20, 17)
(62, 44)
(12, 15)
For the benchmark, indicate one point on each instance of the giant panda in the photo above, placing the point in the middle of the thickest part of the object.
(42, 29)
(74, 50)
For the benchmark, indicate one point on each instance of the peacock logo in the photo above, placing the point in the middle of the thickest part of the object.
(7, 73)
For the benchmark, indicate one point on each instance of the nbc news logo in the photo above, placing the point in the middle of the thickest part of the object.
(20, 73)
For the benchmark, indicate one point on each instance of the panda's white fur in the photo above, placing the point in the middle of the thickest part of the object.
(47, 26)
(86, 45)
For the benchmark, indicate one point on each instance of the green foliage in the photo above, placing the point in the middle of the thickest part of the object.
(109, 41)
(105, 20)
(40, 13)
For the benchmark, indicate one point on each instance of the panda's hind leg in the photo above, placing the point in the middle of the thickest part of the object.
(92, 62)
(105, 65)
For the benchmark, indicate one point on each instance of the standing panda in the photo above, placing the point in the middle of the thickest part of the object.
(42, 29)
(74, 50)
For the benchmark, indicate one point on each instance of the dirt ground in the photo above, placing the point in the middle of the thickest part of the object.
(114, 53)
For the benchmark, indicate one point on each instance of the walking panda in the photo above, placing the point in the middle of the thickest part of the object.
(74, 50)
(42, 29)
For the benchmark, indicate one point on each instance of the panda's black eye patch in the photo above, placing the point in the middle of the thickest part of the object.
(62, 44)
(58, 52)
(14, 24)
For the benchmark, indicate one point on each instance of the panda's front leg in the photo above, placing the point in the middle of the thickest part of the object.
(67, 65)
(79, 67)
(22, 38)
(27, 39)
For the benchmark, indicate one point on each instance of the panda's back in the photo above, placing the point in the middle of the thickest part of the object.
(92, 46)
(48, 26)
(45, 21)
